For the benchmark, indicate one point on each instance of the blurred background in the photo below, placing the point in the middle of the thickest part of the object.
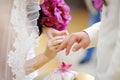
(80, 20)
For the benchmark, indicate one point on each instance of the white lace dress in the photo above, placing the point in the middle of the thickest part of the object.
(24, 19)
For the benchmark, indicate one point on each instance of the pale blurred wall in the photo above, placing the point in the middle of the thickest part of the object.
(5, 11)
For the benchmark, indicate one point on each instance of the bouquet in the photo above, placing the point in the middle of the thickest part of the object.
(55, 14)
(62, 73)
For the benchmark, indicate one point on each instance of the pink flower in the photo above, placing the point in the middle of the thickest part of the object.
(55, 13)
(49, 21)
(64, 67)
(98, 4)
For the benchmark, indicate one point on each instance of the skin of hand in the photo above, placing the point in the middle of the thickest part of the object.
(50, 52)
(52, 46)
(81, 38)
(51, 32)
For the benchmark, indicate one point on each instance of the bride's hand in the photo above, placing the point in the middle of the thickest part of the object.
(52, 46)
(51, 32)
(50, 52)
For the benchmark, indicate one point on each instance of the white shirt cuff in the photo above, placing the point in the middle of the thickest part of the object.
(93, 31)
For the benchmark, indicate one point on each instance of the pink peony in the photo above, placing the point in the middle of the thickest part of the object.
(55, 13)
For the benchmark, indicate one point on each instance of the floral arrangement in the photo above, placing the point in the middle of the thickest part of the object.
(55, 14)
(62, 73)
(98, 4)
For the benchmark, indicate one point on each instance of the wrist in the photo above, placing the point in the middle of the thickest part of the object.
(37, 62)
(49, 54)
(46, 54)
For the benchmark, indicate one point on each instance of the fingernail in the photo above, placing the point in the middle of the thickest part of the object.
(66, 54)
(74, 49)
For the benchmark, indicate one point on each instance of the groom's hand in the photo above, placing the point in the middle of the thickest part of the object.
(81, 38)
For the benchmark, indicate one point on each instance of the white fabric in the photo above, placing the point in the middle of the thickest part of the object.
(108, 46)
(93, 34)
(59, 75)
(24, 19)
